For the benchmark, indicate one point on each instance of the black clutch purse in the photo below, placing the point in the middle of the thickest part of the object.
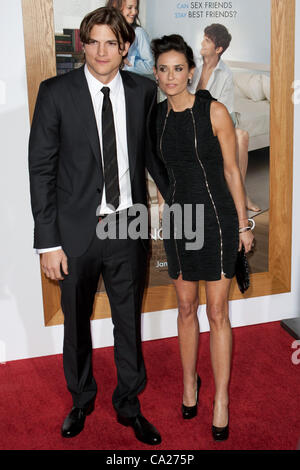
(242, 271)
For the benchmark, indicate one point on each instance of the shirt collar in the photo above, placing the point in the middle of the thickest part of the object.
(95, 85)
(220, 65)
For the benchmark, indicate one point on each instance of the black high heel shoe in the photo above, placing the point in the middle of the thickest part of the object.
(189, 412)
(220, 434)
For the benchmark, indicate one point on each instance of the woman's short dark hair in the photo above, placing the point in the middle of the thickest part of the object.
(174, 42)
(118, 4)
(219, 36)
(110, 17)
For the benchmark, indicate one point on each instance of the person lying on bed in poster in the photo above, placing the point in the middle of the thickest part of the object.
(214, 75)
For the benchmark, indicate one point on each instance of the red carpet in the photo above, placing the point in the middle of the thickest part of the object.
(264, 391)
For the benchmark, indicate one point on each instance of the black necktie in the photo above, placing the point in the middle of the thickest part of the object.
(111, 174)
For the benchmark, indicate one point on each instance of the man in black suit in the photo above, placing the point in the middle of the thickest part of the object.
(89, 147)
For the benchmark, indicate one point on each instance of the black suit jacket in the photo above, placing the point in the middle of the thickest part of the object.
(66, 175)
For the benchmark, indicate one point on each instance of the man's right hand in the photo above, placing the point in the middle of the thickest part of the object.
(53, 263)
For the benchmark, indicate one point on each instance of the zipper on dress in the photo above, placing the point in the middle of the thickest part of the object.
(162, 156)
(175, 233)
(209, 192)
(161, 137)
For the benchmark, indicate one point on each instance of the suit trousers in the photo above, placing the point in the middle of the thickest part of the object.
(123, 265)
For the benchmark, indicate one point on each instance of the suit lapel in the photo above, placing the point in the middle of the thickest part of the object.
(83, 101)
(132, 119)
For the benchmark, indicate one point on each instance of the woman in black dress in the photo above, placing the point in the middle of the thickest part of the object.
(196, 141)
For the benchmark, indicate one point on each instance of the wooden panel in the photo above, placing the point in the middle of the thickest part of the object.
(281, 138)
(164, 298)
(40, 57)
(39, 45)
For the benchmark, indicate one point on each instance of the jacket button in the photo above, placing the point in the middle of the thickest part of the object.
(98, 190)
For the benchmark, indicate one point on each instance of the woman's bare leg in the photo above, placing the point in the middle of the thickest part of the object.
(188, 336)
(243, 145)
(217, 293)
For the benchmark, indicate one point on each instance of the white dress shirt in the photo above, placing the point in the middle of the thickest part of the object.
(220, 85)
(117, 97)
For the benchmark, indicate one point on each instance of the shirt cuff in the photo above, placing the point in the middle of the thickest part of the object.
(47, 250)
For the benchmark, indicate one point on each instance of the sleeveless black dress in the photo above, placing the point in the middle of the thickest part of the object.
(193, 158)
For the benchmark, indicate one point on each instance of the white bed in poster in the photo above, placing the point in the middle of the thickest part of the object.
(252, 101)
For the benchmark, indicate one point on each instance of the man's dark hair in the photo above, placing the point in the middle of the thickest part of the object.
(110, 17)
(174, 42)
(219, 35)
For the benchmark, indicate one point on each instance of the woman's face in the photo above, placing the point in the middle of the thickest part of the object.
(172, 72)
(130, 10)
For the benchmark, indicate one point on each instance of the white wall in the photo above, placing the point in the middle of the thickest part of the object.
(22, 331)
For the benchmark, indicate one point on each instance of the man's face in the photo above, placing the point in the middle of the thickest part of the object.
(208, 48)
(102, 54)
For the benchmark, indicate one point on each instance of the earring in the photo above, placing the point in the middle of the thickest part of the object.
(157, 82)
(189, 81)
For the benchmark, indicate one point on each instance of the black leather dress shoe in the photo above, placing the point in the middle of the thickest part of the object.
(189, 412)
(144, 431)
(74, 422)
